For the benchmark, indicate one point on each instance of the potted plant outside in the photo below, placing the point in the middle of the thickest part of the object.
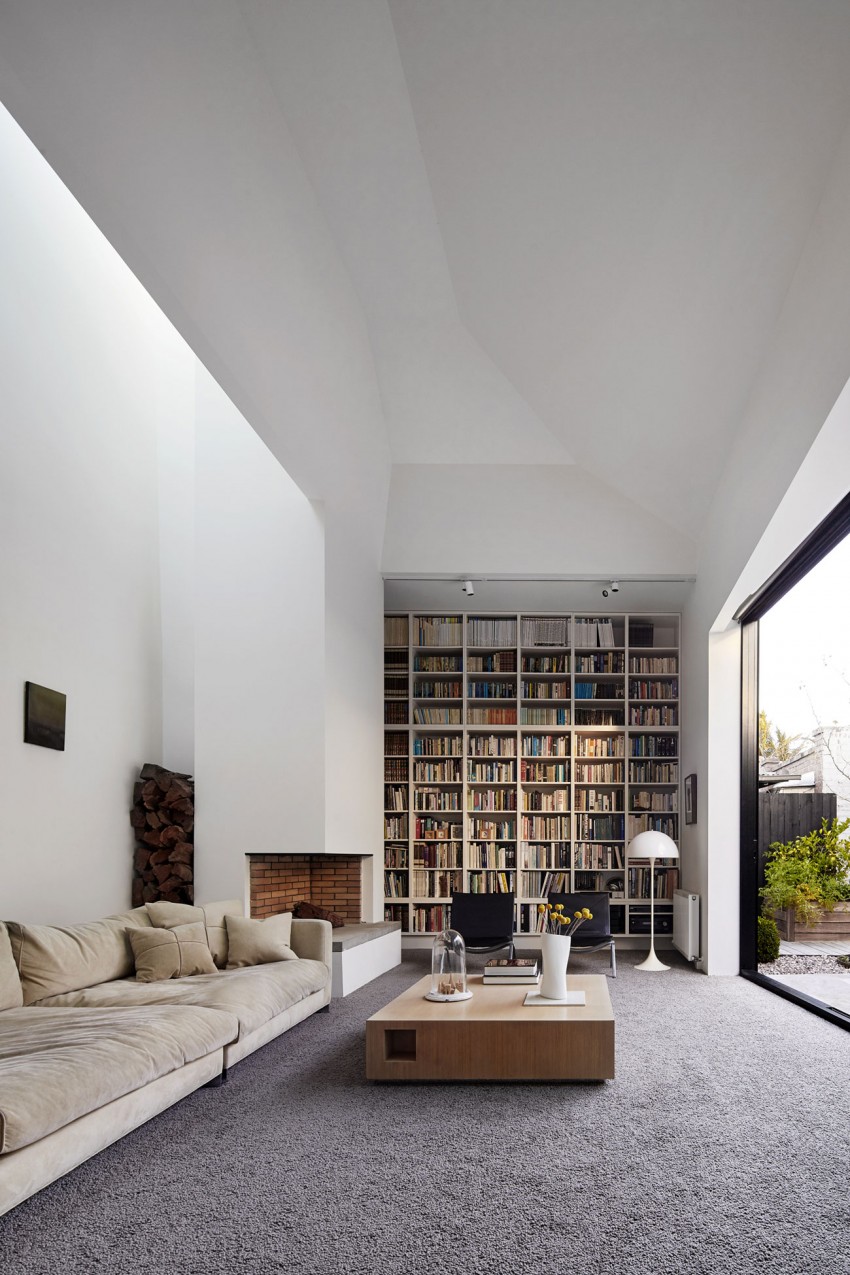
(807, 884)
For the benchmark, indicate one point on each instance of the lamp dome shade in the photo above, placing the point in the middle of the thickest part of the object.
(653, 845)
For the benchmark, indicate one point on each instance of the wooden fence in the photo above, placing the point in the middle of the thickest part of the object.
(783, 816)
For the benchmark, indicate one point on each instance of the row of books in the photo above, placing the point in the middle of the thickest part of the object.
(395, 686)
(436, 772)
(595, 633)
(438, 663)
(434, 885)
(436, 799)
(492, 690)
(599, 800)
(663, 664)
(607, 662)
(544, 716)
(599, 717)
(654, 823)
(395, 769)
(655, 801)
(395, 798)
(497, 856)
(545, 664)
(483, 772)
(545, 746)
(600, 772)
(668, 689)
(436, 745)
(492, 799)
(491, 632)
(600, 827)
(542, 772)
(439, 630)
(491, 829)
(442, 688)
(557, 799)
(491, 746)
(435, 854)
(496, 662)
(654, 715)
(491, 716)
(545, 827)
(599, 690)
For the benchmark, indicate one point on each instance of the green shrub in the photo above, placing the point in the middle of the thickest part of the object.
(767, 940)
(809, 874)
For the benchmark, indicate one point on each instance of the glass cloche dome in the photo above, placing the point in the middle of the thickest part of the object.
(448, 968)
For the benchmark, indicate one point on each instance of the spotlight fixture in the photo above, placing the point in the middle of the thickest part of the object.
(468, 588)
(613, 587)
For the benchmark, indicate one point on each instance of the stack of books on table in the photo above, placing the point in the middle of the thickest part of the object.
(519, 970)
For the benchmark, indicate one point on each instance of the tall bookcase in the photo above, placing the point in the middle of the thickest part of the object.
(521, 753)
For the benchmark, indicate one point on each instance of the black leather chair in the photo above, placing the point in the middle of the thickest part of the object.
(595, 935)
(485, 921)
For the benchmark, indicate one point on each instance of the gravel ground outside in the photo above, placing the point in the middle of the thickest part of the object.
(804, 965)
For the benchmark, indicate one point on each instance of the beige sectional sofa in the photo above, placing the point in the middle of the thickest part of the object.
(88, 1053)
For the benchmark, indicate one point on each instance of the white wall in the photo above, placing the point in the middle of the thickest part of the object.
(354, 750)
(534, 519)
(176, 492)
(259, 653)
(774, 492)
(160, 567)
(285, 337)
(79, 608)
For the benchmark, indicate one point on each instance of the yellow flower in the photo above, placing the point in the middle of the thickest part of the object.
(578, 916)
(587, 914)
(540, 908)
(559, 907)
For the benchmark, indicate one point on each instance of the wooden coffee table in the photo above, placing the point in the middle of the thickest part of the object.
(493, 1036)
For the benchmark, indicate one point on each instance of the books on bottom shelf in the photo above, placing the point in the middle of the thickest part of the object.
(520, 969)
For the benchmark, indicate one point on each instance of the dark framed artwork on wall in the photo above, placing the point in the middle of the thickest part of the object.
(44, 716)
(690, 799)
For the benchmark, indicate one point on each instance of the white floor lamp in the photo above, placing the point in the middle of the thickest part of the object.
(652, 845)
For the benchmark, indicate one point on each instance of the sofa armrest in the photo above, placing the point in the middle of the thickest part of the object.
(311, 940)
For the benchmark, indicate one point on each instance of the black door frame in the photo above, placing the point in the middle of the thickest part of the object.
(830, 532)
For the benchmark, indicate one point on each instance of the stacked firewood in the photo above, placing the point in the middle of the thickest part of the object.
(163, 817)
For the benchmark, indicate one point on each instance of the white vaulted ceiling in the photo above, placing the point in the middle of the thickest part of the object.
(568, 225)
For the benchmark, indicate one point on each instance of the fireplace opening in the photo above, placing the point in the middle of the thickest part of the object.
(332, 881)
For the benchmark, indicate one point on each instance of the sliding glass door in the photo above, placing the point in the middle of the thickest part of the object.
(795, 775)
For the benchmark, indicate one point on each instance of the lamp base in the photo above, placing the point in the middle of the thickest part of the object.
(652, 963)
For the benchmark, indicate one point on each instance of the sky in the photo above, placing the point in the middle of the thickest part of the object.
(804, 650)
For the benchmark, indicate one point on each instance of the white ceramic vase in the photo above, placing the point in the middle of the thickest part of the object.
(556, 954)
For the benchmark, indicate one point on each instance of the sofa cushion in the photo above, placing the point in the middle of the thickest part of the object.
(178, 953)
(253, 942)
(11, 992)
(163, 913)
(253, 995)
(52, 959)
(59, 1064)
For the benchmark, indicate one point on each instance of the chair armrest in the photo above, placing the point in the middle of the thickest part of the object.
(311, 940)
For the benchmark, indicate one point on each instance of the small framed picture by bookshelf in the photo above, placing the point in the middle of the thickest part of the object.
(44, 716)
(690, 799)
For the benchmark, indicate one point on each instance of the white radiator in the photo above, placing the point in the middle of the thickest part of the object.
(686, 924)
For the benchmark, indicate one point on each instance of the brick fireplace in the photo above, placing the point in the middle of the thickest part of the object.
(279, 881)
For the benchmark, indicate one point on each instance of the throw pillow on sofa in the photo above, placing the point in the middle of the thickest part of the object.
(251, 942)
(167, 915)
(175, 953)
(11, 992)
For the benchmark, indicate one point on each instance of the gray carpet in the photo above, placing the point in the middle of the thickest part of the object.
(722, 1146)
